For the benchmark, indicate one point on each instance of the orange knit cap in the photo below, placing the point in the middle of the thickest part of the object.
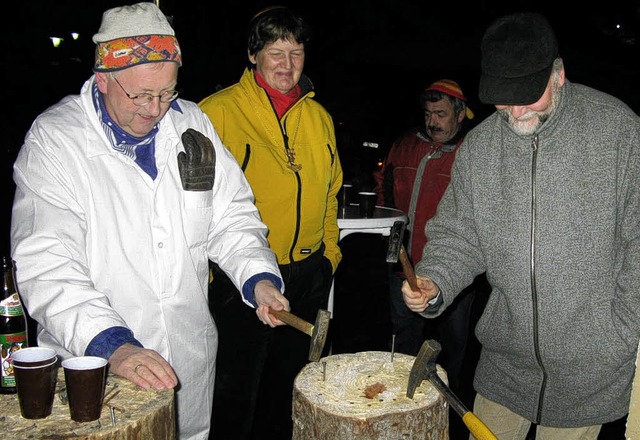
(450, 88)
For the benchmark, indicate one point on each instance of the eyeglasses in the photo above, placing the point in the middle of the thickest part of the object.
(145, 98)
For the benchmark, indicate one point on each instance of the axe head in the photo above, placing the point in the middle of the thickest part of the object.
(319, 335)
(423, 366)
(395, 241)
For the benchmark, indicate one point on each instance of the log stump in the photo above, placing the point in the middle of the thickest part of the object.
(362, 396)
(140, 415)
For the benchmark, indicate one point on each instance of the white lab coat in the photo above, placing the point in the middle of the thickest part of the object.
(98, 243)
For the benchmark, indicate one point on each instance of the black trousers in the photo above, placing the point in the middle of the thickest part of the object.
(256, 364)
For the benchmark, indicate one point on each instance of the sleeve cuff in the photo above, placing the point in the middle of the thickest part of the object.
(434, 305)
(248, 288)
(436, 300)
(107, 341)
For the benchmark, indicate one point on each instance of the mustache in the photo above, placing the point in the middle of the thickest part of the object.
(434, 128)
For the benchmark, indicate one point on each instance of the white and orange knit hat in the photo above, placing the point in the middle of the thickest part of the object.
(132, 35)
(450, 88)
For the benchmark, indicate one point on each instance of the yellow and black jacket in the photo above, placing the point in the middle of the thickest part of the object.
(292, 165)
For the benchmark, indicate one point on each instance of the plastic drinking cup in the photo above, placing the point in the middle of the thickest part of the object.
(36, 383)
(367, 202)
(85, 377)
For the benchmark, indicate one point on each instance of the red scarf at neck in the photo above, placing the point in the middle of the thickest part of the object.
(281, 102)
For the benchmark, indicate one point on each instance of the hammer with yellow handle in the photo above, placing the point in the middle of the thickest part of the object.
(424, 367)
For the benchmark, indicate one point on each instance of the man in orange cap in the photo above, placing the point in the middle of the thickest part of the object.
(413, 178)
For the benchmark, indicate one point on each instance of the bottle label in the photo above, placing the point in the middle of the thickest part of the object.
(11, 306)
(9, 344)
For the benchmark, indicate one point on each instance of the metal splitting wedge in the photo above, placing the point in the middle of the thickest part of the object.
(424, 367)
(318, 332)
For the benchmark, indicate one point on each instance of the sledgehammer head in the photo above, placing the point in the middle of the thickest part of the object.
(319, 335)
(423, 366)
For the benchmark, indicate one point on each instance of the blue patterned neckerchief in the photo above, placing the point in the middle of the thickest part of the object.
(141, 150)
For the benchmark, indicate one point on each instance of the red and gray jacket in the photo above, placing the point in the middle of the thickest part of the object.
(413, 178)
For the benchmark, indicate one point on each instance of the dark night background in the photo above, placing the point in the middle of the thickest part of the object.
(368, 60)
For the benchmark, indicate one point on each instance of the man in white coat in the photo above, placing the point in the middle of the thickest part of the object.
(123, 194)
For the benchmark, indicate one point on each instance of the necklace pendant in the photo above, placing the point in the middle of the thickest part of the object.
(291, 157)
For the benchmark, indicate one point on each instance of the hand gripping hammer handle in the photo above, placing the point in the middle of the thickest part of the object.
(409, 274)
(293, 320)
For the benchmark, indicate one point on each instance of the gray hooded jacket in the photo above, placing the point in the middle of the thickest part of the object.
(554, 220)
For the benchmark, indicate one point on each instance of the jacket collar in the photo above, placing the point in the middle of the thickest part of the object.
(248, 82)
(563, 102)
(551, 124)
(96, 140)
(448, 146)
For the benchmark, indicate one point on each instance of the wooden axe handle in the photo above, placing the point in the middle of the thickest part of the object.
(293, 320)
(408, 269)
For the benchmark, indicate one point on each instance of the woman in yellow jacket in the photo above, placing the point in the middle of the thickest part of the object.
(285, 142)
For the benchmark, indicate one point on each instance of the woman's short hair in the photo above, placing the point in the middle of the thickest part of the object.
(274, 23)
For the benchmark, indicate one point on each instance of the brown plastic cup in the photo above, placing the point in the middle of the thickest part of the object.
(33, 356)
(367, 202)
(85, 378)
(36, 388)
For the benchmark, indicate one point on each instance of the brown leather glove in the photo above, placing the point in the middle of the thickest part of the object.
(197, 162)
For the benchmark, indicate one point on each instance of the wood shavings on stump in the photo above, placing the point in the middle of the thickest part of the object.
(143, 414)
(362, 396)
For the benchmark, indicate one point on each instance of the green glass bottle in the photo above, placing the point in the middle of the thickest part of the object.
(13, 326)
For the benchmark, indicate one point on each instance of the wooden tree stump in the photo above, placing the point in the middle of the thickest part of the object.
(141, 415)
(362, 396)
